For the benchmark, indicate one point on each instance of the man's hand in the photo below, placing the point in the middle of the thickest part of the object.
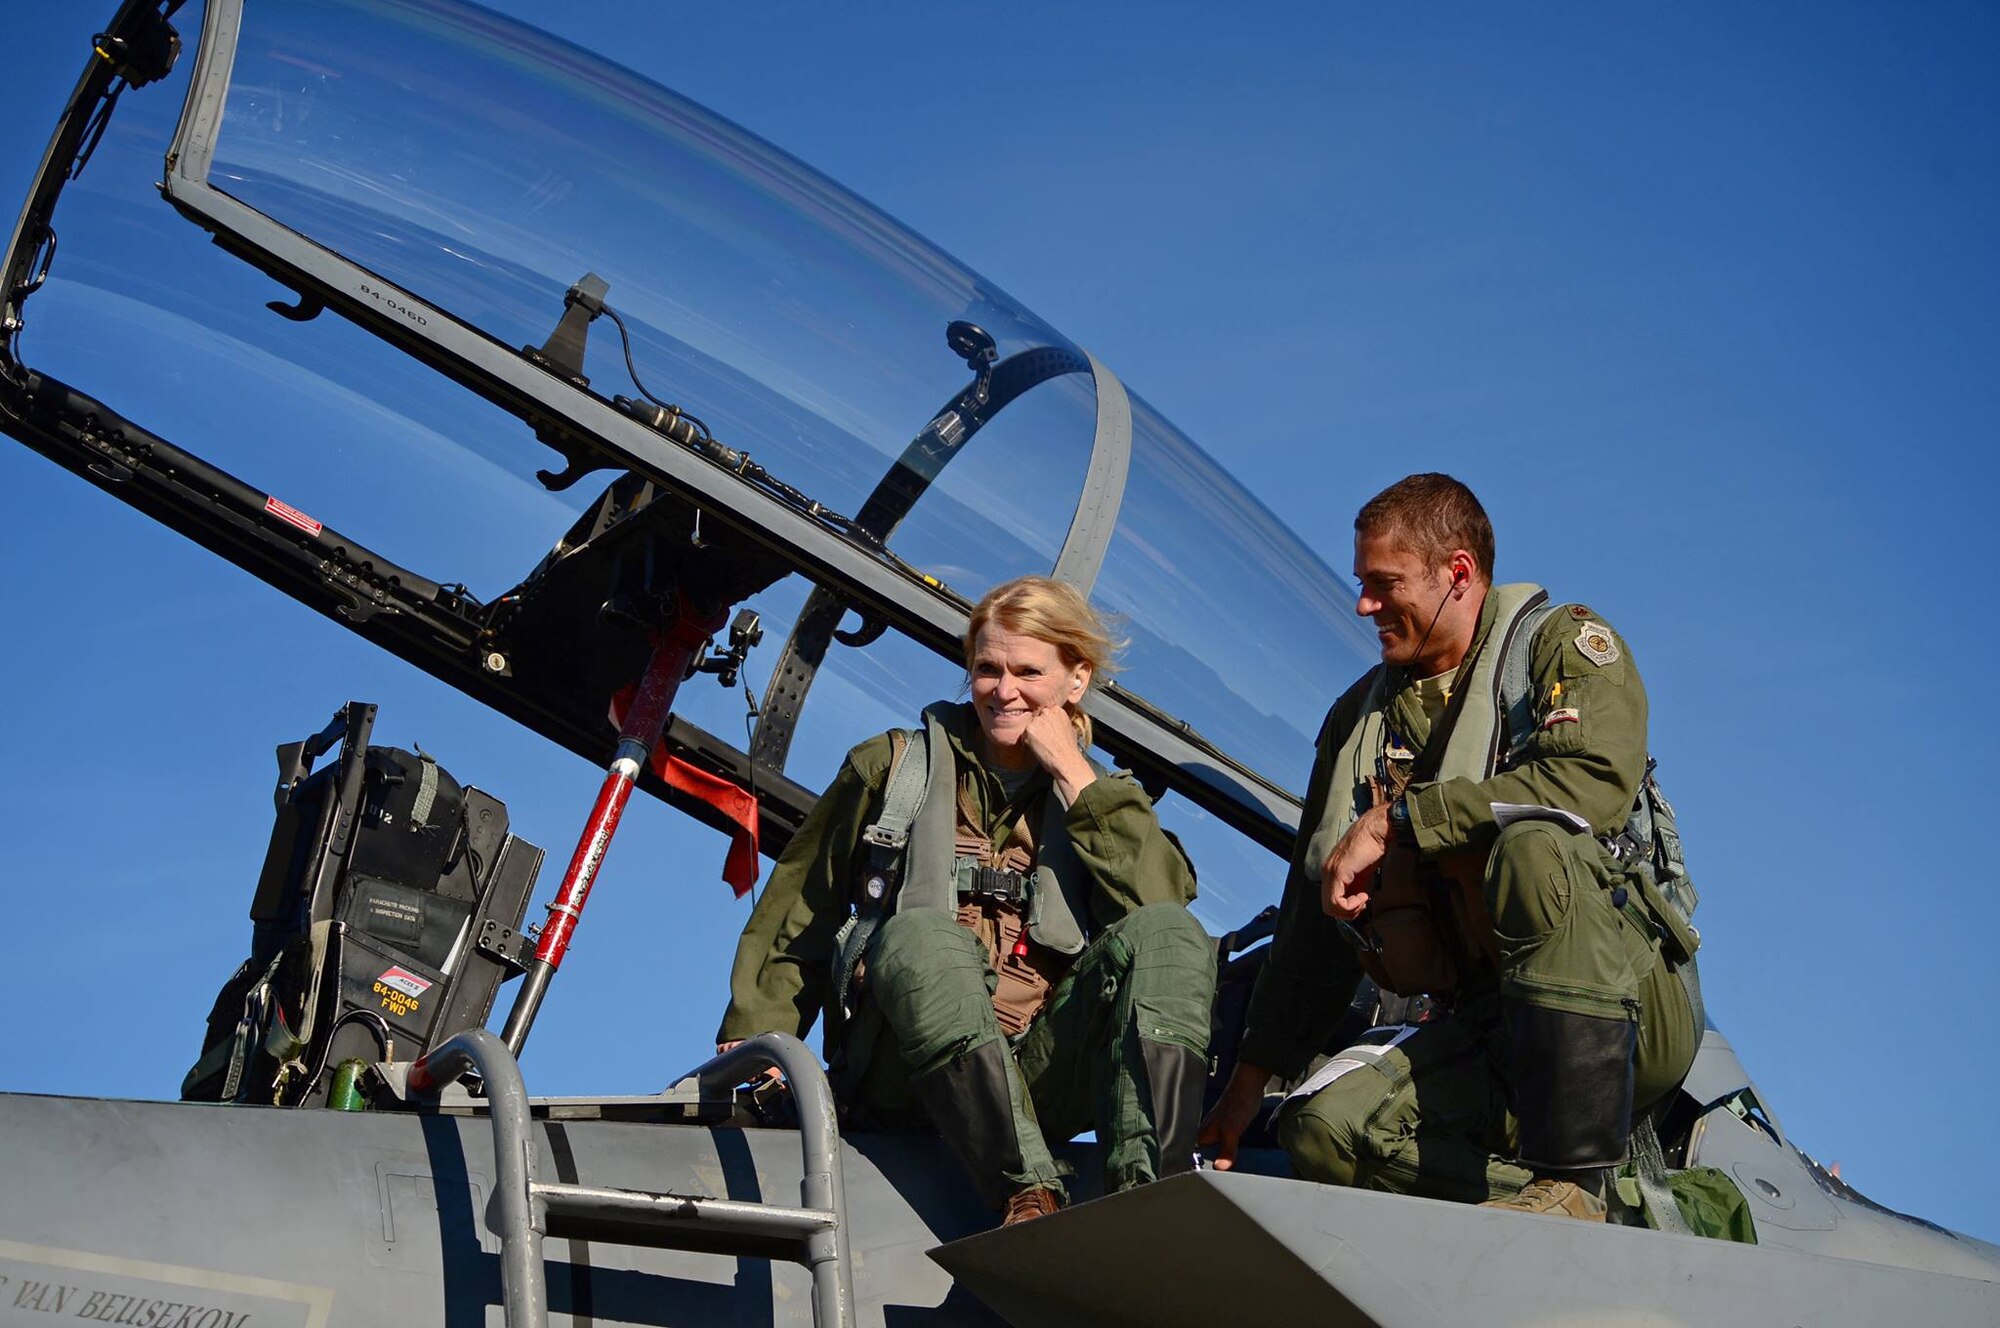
(1234, 1110)
(1352, 865)
(1051, 737)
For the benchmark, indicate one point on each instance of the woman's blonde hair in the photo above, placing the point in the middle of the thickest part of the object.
(1055, 612)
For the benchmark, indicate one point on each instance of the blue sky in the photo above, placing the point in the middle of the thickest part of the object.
(1700, 302)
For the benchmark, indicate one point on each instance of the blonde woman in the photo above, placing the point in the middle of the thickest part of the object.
(1026, 968)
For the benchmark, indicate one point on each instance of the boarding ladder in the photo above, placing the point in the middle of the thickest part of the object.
(814, 1233)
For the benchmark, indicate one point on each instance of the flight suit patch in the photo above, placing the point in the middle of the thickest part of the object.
(1597, 645)
(1579, 612)
(1566, 715)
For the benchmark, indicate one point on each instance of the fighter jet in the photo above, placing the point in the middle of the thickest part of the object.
(606, 392)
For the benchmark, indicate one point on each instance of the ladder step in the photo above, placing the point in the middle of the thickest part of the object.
(680, 1221)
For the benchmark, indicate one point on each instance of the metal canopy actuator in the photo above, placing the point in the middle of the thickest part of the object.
(674, 650)
(632, 575)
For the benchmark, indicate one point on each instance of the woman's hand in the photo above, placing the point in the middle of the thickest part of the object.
(1051, 737)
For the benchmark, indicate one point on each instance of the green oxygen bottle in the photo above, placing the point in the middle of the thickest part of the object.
(345, 1095)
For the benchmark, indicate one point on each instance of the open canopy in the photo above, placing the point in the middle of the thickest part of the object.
(855, 406)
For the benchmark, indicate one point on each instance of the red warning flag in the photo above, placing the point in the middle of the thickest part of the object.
(735, 803)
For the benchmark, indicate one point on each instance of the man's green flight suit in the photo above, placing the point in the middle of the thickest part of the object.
(1581, 968)
(1120, 1042)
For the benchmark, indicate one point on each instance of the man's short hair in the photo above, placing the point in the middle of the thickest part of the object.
(1431, 514)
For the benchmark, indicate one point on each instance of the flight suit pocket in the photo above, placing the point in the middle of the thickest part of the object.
(1564, 942)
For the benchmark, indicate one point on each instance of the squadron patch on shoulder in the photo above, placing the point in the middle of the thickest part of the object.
(1580, 613)
(1597, 644)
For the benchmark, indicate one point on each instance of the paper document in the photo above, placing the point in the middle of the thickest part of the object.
(1353, 1058)
(1506, 813)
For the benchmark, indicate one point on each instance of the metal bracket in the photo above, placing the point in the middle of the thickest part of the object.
(563, 352)
(503, 943)
(744, 634)
(562, 355)
(302, 309)
(882, 837)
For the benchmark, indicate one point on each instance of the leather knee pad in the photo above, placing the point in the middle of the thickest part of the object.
(1175, 1075)
(1572, 1087)
(975, 1104)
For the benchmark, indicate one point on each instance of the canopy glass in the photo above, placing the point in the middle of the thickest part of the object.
(485, 168)
(798, 322)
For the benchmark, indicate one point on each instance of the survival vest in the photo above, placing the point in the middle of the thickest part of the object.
(1428, 927)
(913, 859)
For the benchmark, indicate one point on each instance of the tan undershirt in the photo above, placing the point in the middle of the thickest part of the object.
(1432, 694)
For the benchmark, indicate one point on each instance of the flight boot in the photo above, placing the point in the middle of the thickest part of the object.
(1176, 1076)
(1579, 1194)
(976, 1101)
(1573, 1106)
(1026, 1205)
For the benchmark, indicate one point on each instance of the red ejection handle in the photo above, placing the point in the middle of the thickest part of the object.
(673, 648)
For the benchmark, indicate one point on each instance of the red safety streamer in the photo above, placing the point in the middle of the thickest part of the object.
(737, 804)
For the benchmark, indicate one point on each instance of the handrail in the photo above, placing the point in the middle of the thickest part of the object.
(819, 1130)
(523, 1290)
(819, 1225)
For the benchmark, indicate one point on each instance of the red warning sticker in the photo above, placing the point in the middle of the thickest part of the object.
(292, 516)
(405, 981)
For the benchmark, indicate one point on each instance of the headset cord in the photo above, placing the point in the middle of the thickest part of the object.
(1417, 654)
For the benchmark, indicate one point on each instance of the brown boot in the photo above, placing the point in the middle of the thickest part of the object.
(1556, 1196)
(1031, 1203)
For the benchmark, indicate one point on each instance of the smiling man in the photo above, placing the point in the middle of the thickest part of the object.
(1467, 836)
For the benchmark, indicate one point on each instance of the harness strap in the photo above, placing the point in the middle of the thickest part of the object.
(903, 796)
(1517, 701)
(1019, 852)
(849, 943)
(888, 840)
(256, 1010)
(1690, 976)
(1649, 1165)
(427, 787)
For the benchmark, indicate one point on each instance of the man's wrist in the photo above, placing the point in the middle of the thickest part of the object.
(1401, 832)
(1248, 1077)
